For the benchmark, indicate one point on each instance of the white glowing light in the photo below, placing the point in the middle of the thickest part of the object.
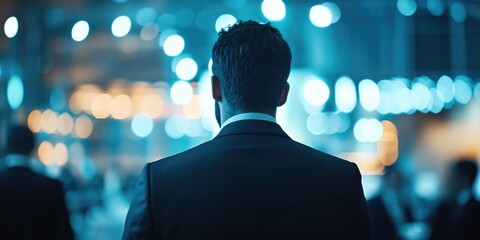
(193, 128)
(445, 89)
(181, 92)
(463, 90)
(369, 95)
(121, 26)
(316, 92)
(403, 98)
(317, 124)
(368, 130)
(80, 31)
(173, 45)
(186, 69)
(387, 104)
(224, 21)
(274, 10)
(336, 13)
(171, 127)
(142, 125)
(345, 94)
(321, 16)
(11, 27)
(421, 96)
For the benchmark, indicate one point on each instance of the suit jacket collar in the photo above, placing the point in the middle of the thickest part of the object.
(252, 127)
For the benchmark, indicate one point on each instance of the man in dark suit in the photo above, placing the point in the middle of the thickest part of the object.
(32, 206)
(458, 214)
(251, 181)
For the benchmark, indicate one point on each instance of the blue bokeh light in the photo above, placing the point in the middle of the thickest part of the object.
(407, 7)
(369, 94)
(58, 99)
(15, 92)
(142, 125)
(145, 16)
(345, 94)
(463, 89)
(458, 12)
(436, 7)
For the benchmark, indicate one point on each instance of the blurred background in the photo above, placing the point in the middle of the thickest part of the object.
(108, 85)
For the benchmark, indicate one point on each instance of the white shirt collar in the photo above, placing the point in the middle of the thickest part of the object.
(17, 160)
(249, 116)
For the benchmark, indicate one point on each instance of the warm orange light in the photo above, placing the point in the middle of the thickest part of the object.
(101, 105)
(388, 144)
(121, 107)
(65, 124)
(152, 105)
(389, 127)
(75, 101)
(45, 153)
(89, 92)
(139, 91)
(192, 109)
(83, 127)
(49, 121)
(34, 121)
(367, 162)
(60, 154)
(117, 87)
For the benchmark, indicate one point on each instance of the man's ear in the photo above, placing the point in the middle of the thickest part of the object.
(283, 97)
(216, 90)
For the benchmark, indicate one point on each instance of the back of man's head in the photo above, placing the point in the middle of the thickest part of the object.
(252, 62)
(20, 140)
(465, 170)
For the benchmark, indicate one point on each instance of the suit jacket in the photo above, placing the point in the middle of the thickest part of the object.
(32, 206)
(250, 182)
(457, 222)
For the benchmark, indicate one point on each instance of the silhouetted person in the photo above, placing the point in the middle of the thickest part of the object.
(251, 181)
(32, 206)
(458, 215)
(390, 210)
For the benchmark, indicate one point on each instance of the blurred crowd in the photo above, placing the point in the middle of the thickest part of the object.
(97, 205)
(399, 213)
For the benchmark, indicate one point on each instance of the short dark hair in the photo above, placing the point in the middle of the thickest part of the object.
(252, 62)
(20, 140)
(466, 169)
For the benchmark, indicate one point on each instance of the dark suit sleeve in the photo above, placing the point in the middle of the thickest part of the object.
(362, 225)
(138, 224)
(62, 218)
